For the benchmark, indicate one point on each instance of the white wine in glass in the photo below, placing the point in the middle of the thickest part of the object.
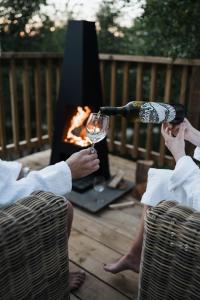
(97, 128)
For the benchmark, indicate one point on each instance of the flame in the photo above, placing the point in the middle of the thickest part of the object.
(77, 126)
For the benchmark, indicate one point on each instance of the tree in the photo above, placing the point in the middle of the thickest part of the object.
(173, 25)
(16, 26)
(109, 31)
(24, 28)
(111, 35)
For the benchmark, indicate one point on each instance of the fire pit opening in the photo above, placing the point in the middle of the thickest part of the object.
(75, 131)
(72, 138)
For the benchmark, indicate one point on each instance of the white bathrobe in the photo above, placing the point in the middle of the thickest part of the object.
(181, 184)
(56, 179)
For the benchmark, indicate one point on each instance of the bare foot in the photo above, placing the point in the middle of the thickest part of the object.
(76, 279)
(126, 262)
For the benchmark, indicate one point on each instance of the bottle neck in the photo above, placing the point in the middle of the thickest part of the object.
(111, 111)
(130, 108)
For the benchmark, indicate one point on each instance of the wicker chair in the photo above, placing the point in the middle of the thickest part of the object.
(33, 249)
(170, 266)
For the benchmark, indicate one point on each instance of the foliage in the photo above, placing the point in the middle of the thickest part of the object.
(167, 28)
(16, 13)
(24, 28)
(112, 37)
(173, 25)
(109, 30)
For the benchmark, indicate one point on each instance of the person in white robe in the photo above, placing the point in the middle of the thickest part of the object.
(56, 178)
(181, 184)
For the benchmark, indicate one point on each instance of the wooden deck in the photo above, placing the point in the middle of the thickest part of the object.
(101, 238)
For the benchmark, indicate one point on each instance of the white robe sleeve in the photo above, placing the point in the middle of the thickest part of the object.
(9, 172)
(55, 178)
(197, 153)
(186, 178)
(9, 169)
(157, 187)
(181, 184)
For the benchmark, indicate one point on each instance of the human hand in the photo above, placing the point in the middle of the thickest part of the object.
(191, 134)
(175, 144)
(173, 128)
(83, 163)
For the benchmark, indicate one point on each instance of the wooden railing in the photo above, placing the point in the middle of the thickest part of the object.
(29, 84)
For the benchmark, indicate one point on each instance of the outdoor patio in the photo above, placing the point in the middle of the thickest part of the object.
(101, 238)
(114, 52)
(32, 82)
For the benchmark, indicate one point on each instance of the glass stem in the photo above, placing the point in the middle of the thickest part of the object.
(93, 150)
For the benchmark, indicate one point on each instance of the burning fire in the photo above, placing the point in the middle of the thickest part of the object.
(76, 133)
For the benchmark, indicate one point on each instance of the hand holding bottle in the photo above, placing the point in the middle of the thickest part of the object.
(192, 135)
(175, 144)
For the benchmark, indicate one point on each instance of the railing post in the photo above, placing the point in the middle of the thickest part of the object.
(49, 99)
(2, 117)
(124, 101)
(183, 88)
(37, 80)
(14, 110)
(136, 133)
(102, 74)
(26, 101)
(112, 103)
(152, 97)
(58, 78)
(167, 96)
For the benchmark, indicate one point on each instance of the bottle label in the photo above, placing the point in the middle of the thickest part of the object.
(152, 112)
(170, 112)
(137, 104)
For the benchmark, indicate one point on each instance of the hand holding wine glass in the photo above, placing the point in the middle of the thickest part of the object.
(97, 128)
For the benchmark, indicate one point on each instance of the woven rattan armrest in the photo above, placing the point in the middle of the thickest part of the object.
(33, 248)
(170, 266)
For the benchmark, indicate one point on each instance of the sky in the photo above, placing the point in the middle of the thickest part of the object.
(86, 9)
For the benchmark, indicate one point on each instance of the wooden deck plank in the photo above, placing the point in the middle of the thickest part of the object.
(118, 163)
(102, 232)
(91, 255)
(116, 220)
(93, 288)
(101, 238)
(123, 222)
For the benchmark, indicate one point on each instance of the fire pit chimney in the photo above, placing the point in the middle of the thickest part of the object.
(80, 92)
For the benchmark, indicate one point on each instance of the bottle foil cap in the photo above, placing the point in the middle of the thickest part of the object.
(152, 112)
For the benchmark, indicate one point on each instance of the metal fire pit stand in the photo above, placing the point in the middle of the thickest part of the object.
(93, 201)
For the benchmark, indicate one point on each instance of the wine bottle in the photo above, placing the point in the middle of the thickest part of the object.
(148, 112)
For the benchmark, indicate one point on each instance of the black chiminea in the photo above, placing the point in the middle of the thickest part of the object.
(80, 86)
(80, 90)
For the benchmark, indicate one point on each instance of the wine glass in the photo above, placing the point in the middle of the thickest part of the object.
(99, 184)
(96, 127)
